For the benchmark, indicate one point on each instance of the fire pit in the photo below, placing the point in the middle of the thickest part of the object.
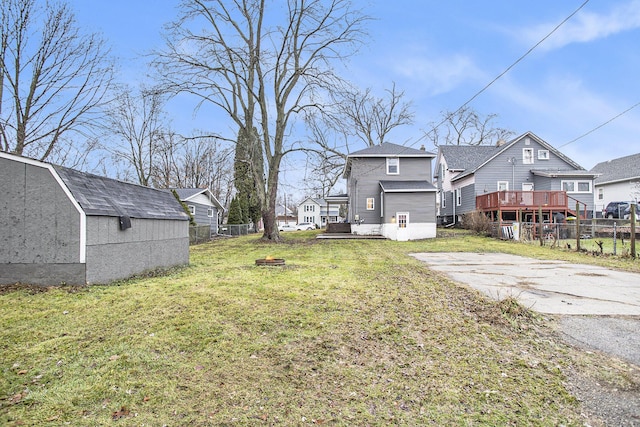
(270, 261)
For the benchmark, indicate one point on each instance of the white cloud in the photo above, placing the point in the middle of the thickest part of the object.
(434, 75)
(587, 26)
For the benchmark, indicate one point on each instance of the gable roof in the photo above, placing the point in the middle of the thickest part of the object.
(99, 195)
(616, 170)
(185, 194)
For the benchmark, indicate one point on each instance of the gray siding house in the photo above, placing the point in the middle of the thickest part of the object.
(59, 225)
(203, 205)
(515, 178)
(389, 192)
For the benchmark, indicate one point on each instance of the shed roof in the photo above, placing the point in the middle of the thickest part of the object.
(99, 195)
(621, 169)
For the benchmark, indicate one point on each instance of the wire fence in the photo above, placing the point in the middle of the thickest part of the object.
(235, 229)
(597, 236)
(199, 234)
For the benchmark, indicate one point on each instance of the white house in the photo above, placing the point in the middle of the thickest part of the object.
(317, 211)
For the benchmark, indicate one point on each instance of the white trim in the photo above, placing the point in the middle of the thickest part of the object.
(373, 203)
(576, 185)
(502, 182)
(527, 160)
(67, 192)
(543, 154)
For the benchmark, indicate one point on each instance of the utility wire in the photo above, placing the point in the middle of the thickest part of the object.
(603, 124)
(512, 65)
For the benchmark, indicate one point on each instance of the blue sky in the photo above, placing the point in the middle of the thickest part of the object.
(441, 53)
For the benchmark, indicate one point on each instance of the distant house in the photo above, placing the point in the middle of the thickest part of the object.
(617, 180)
(318, 212)
(515, 179)
(203, 205)
(59, 225)
(389, 192)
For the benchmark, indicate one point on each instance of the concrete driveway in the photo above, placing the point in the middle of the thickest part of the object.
(553, 287)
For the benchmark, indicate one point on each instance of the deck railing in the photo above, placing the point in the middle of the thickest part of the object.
(515, 200)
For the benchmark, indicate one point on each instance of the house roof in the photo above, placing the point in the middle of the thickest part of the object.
(389, 149)
(99, 195)
(406, 186)
(462, 157)
(555, 173)
(616, 170)
(186, 194)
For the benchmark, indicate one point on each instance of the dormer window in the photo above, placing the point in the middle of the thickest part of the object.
(393, 166)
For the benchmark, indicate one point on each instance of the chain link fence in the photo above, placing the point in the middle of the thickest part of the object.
(602, 236)
(199, 234)
(235, 229)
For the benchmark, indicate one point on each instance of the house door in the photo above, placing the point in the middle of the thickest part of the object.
(403, 226)
(527, 199)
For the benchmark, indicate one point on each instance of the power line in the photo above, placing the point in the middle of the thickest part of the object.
(602, 125)
(512, 65)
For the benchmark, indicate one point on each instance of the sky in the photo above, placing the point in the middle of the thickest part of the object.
(443, 53)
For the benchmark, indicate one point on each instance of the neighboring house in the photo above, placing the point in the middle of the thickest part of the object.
(618, 180)
(203, 205)
(390, 193)
(284, 215)
(517, 179)
(317, 211)
(59, 225)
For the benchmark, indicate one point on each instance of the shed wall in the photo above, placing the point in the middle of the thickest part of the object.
(149, 244)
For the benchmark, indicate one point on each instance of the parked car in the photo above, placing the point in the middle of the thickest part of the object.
(287, 227)
(306, 226)
(615, 209)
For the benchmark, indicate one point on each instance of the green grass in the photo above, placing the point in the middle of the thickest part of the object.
(347, 333)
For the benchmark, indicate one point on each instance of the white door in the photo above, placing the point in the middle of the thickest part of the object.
(403, 226)
(527, 199)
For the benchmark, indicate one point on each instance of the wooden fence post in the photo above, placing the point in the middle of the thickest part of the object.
(634, 209)
(578, 226)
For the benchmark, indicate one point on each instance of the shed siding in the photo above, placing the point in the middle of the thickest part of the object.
(39, 228)
(114, 254)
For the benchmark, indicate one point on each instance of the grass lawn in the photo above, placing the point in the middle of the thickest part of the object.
(350, 333)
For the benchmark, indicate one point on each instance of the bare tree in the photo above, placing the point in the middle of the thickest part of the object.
(262, 67)
(53, 79)
(136, 121)
(370, 118)
(466, 127)
(358, 115)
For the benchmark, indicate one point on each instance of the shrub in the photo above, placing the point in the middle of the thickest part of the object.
(477, 221)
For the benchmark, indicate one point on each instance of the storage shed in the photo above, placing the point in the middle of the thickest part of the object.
(59, 225)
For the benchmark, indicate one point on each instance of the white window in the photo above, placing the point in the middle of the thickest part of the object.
(503, 185)
(370, 203)
(576, 186)
(458, 197)
(527, 156)
(309, 208)
(543, 154)
(402, 219)
(393, 166)
(192, 209)
(443, 200)
(309, 219)
(210, 212)
(600, 193)
(381, 204)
